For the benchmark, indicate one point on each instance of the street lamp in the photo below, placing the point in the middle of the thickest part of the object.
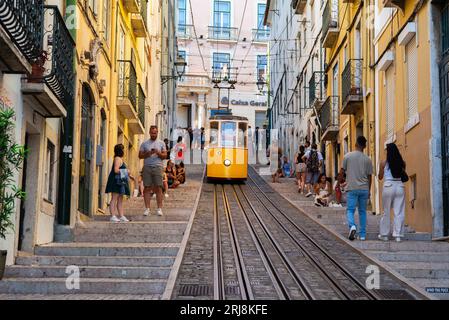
(260, 84)
(180, 66)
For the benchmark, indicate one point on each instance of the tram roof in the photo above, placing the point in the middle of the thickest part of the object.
(228, 117)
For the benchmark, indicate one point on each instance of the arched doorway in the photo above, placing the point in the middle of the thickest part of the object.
(86, 151)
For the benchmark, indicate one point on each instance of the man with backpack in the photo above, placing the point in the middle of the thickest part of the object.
(314, 160)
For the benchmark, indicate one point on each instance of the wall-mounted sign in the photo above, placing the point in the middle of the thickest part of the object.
(241, 102)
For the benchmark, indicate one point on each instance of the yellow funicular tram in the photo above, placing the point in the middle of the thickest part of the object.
(227, 148)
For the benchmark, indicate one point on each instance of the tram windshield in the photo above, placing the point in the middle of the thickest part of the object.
(242, 137)
(228, 134)
(213, 141)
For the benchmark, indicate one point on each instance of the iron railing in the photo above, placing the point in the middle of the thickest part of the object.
(141, 105)
(329, 116)
(23, 21)
(143, 4)
(351, 80)
(60, 52)
(222, 33)
(261, 35)
(316, 87)
(127, 82)
(194, 80)
(330, 17)
(184, 31)
(445, 30)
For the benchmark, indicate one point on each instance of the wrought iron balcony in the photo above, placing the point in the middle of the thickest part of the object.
(139, 20)
(184, 31)
(138, 125)
(330, 24)
(299, 6)
(329, 119)
(53, 69)
(223, 33)
(317, 89)
(21, 33)
(261, 35)
(127, 89)
(352, 88)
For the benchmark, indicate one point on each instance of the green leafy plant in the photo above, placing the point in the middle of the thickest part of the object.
(11, 160)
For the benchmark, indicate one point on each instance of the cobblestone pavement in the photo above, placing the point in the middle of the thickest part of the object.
(305, 259)
(417, 260)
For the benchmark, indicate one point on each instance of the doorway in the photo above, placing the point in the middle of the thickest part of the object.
(86, 152)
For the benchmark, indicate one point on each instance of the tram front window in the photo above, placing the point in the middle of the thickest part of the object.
(228, 134)
(213, 141)
(242, 137)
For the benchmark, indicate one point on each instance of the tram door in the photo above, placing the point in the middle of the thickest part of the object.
(444, 87)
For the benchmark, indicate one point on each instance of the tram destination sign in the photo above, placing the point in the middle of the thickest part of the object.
(240, 102)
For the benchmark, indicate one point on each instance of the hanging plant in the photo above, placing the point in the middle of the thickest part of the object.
(11, 159)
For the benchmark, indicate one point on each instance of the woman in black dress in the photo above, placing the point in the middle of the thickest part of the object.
(118, 184)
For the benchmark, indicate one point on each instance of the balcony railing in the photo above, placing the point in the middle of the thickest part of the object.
(184, 31)
(23, 21)
(330, 23)
(139, 20)
(194, 81)
(329, 119)
(317, 89)
(352, 90)
(141, 105)
(261, 35)
(222, 33)
(127, 82)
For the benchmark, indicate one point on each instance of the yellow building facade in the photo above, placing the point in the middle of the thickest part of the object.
(408, 104)
(348, 108)
(116, 51)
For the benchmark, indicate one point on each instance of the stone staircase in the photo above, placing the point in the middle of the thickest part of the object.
(114, 260)
(419, 259)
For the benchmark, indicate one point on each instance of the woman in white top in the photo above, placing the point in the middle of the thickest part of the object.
(393, 194)
(323, 191)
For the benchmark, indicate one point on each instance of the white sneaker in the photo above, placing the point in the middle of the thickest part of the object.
(166, 195)
(382, 238)
(154, 195)
(123, 219)
(147, 212)
(398, 239)
(352, 232)
(159, 212)
(114, 219)
(309, 194)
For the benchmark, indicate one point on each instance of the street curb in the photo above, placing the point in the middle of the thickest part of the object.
(170, 286)
(374, 260)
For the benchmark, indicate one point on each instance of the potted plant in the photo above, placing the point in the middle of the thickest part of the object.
(11, 159)
(37, 67)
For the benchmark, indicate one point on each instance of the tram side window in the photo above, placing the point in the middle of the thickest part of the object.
(242, 137)
(228, 134)
(213, 141)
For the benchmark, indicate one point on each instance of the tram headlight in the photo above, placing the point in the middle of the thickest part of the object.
(227, 162)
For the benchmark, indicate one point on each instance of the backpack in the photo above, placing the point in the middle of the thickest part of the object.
(313, 163)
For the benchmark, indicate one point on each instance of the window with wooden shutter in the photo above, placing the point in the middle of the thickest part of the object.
(389, 100)
(412, 78)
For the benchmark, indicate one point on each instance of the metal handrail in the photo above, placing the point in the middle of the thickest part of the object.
(141, 105)
(261, 35)
(316, 87)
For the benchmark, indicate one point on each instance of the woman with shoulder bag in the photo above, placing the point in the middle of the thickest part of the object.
(393, 194)
(118, 184)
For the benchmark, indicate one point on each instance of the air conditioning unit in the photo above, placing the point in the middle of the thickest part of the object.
(394, 4)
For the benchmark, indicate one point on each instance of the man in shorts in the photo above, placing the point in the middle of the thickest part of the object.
(314, 161)
(153, 151)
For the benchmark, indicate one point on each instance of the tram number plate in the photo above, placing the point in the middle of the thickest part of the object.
(437, 290)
